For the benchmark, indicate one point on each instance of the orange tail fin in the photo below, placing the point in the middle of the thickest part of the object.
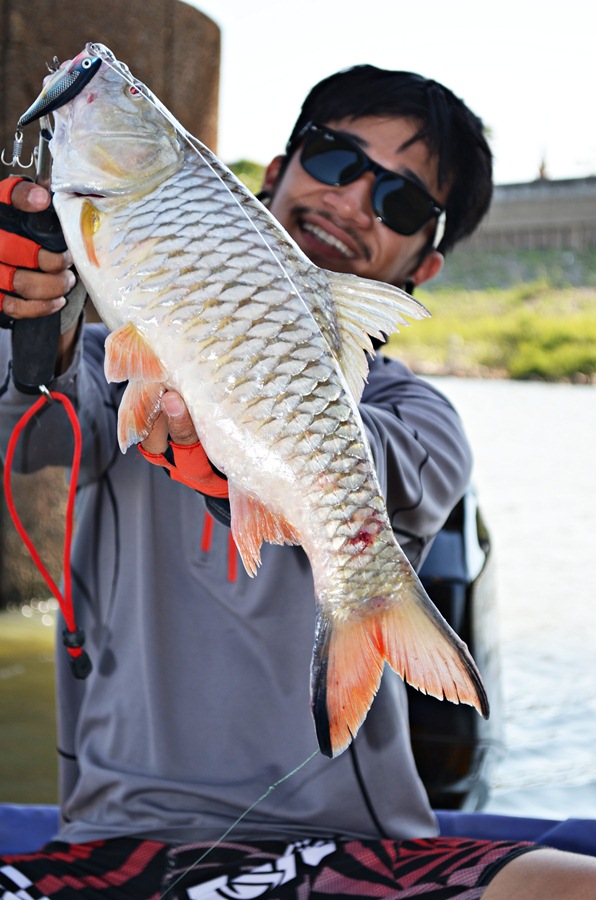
(350, 652)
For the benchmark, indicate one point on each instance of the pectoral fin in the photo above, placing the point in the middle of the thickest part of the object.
(90, 221)
(139, 408)
(129, 357)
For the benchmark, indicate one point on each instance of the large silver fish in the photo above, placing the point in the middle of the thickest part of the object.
(206, 294)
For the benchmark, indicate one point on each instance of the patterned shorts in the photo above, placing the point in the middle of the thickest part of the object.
(128, 869)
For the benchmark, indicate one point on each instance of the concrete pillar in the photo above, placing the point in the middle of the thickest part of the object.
(168, 44)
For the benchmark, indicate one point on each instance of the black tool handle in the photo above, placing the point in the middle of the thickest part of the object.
(34, 351)
(34, 341)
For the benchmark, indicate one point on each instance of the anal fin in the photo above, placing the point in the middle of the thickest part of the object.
(252, 523)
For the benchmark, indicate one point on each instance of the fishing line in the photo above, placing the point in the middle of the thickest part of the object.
(222, 838)
(201, 151)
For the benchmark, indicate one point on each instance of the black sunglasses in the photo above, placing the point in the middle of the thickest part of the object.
(398, 202)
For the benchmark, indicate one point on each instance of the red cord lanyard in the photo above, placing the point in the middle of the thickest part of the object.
(73, 637)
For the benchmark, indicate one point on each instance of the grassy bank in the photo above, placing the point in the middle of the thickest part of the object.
(27, 727)
(529, 330)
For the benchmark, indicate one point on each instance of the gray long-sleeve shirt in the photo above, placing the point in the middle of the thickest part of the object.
(199, 696)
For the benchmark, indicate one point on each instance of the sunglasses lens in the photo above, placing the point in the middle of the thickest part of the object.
(397, 201)
(400, 204)
(331, 161)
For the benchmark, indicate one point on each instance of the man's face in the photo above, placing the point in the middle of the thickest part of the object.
(336, 226)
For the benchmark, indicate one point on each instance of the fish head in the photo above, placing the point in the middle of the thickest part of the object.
(110, 136)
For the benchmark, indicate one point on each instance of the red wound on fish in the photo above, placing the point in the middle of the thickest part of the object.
(363, 538)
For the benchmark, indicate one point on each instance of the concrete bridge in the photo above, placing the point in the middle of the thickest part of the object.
(540, 215)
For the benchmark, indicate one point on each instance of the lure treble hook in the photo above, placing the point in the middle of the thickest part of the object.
(17, 149)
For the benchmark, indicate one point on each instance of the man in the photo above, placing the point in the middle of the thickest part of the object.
(197, 705)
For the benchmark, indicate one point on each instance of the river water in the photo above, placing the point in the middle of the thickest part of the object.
(535, 472)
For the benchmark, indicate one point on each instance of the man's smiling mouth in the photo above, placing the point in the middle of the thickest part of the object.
(330, 240)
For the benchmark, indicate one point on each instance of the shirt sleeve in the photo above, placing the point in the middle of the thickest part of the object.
(421, 453)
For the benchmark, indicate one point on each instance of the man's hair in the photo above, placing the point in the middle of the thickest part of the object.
(451, 131)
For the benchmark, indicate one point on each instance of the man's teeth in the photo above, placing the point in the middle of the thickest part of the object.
(328, 239)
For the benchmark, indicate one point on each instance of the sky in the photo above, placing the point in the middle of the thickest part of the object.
(527, 68)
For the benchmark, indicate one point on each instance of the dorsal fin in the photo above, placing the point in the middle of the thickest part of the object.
(365, 309)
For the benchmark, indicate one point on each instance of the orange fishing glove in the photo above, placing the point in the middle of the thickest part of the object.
(189, 464)
(16, 251)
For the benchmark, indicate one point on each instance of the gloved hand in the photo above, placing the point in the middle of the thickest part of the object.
(173, 444)
(34, 281)
(189, 464)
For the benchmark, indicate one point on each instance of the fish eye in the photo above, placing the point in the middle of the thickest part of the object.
(135, 92)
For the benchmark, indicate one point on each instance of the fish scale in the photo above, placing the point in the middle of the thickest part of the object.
(205, 293)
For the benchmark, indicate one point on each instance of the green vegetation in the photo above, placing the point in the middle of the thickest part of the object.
(249, 173)
(511, 314)
(28, 758)
(527, 331)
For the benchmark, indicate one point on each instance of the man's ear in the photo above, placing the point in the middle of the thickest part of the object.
(429, 268)
(272, 174)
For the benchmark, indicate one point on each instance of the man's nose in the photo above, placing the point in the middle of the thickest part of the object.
(352, 202)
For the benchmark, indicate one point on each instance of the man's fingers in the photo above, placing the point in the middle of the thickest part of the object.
(29, 197)
(157, 440)
(174, 422)
(18, 250)
(35, 285)
(54, 262)
(180, 424)
(17, 308)
(22, 252)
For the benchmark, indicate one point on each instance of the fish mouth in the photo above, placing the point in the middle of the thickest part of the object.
(85, 192)
(78, 191)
